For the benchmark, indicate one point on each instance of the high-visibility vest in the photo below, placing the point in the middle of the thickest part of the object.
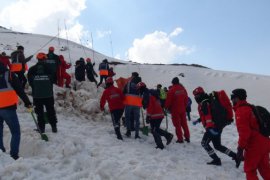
(103, 72)
(8, 96)
(133, 100)
(18, 66)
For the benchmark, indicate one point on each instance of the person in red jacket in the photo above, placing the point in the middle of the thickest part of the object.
(212, 134)
(115, 98)
(5, 60)
(155, 114)
(62, 74)
(253, 147)
(176, 103)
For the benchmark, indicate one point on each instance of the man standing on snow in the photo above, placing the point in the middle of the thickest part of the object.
(115, 99)
(90, 72)
(62, 74)
(41, 81)
(103, 71)
(253, 147)
(162, 95)
(212, 134)
(176, 104)
(80, 70)
(19, 65)
(155, 114)
(54, 62)
(133, 103)
(10, 87)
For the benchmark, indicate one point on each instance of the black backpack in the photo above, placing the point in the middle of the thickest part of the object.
(263, 118)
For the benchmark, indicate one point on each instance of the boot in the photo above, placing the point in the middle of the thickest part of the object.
(118, 133)
(128, 133)
(137, 136)
(187, 140)
(180, 141)
(54, 128)
(169, 139)
(216, 162)
(160, 147)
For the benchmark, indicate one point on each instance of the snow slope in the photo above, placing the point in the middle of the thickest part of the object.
(86, 148)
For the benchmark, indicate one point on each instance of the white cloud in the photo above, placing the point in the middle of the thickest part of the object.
(101, 34)
(39, 16)
(157, 47)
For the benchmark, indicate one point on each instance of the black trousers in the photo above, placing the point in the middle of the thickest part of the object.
(216, 140)
(116, 116)
(22, 78)
(157, 132)
(39, 109)
(101, 79)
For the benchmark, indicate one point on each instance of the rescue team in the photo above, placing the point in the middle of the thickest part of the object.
(215, 109)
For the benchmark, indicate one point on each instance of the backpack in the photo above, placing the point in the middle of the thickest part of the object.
(221, 109)
(263, 117)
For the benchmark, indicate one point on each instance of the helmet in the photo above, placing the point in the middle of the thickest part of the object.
(198, 90)
(140, 85)
(88, 60)
(109, 80)
(41, 56)
(51, 49)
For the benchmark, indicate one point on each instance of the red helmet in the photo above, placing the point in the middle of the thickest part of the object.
(88, 60)
(109, 80)
(140, 85)
(198, 90)
(51, 49)
(41, 56)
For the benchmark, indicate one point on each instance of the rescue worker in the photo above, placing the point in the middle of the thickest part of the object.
(154, 115)
(54, 62)
(41, 81)
(4, 59)
(103, 71)
(176, 104)
(115, 98)
(80, 70)
(253, 147)
(90, 72)
(62, 74)
(162, 95)
(10, 88)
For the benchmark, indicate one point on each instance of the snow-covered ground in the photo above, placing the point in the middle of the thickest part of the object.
(86, 147)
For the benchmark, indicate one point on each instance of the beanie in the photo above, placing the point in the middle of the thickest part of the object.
(175, 80)
(240, 93)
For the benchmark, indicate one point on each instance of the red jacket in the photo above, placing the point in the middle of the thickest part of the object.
(177, 99)
(248, 127)
(154, 109)
(5, 61)
(115, 98)
(205, 114)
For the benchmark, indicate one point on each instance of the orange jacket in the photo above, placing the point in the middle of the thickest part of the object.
(8, 96)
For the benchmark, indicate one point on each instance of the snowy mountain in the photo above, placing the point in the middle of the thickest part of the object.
(85, 146)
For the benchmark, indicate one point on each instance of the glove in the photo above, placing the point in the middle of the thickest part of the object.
(196, 122)
(240, 154)
(213, 131)
(148, 119)
(30, 57)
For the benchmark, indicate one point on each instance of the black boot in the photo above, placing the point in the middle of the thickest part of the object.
(160, 147)
(128, 133)
(169, 139)
(216, 162)
(118, 133)
(54, 128)
(187, 140)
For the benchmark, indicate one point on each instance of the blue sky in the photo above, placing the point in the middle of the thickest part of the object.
(231, 35)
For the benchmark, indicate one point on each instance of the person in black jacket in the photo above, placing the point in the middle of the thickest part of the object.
(80, 70)
(10, 87)
(103, 71)
(41, 81)
(19, 65)
(54, 62)
(90, 72)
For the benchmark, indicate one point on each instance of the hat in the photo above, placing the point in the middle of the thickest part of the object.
(51, 49)
(140, 85)
(240, 93)
(105, 60)
(175, 80)
(88, 60)
(20, 48)
(41, 56)
(135, 74)
(3, 53)
(159, 86)
(81, 59)
(109, 80)
(198, 90)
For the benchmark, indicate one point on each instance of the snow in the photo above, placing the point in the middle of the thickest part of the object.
(86, 147)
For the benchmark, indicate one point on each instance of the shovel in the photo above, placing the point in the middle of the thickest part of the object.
(144, 129)
(43, 135)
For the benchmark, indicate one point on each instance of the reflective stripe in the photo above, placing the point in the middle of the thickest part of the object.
(8, 96)
(103, 72)
(209, 121)
(133, 100)
(16, 67)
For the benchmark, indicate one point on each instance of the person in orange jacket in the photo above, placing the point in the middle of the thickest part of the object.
(155, 114)
(176, 103)
(253, 147)
(62, 74)
(115, 98)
